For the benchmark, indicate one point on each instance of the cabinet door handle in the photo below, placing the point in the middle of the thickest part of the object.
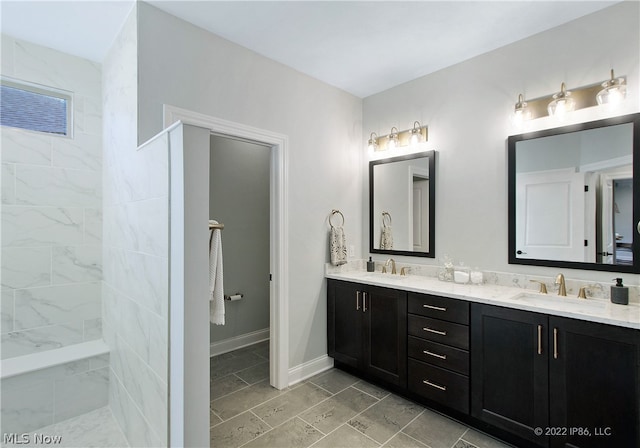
(539, 339)
(364, 302)
(437, 386)
(427, 352)
(431, 307)
(357, 300)
(555, 343)
(431, 330)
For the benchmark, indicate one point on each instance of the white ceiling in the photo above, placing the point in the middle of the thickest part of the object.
(361, 47)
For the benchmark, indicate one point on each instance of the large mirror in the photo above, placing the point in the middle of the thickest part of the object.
(573, 196)
(402, 196)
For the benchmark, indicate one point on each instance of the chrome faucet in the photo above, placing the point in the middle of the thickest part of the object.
(562, 289)
(393, 266)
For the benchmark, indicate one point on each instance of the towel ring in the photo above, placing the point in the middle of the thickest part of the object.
(385, 216)
(335, 212)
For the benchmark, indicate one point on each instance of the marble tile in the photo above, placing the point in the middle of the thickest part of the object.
(280, 409)
(57, 187)
(385, 418)
(81, 393)
(27, 408)
(8, 193)
(233, 404)
(338, 409)
(255, 374)
(40, 226)
(76, 264)
(145, 332)
(51, 305)
(225, 385)
(26, 267)
(143, 277)
(83, 152)
(294, 433)
(151, 179)
(92, 329)
(6, 311)
(238, 431)
(401, 440)
(99, 361)
(78, 114)
(435, 430)
(149, 220)
(48, 375)
(334, 380)
(480, 440)
(133, 425)
(36, 340)
(48, 67)
(223, 367)
(148, 391)
(92, 116)
(347, 437)
(7, 54)
(21, 146)
(92, 226)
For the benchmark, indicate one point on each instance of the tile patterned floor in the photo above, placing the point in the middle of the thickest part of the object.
(330, 410)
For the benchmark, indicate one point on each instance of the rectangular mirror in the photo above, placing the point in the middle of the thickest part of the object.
(571, 196)
(402, 205)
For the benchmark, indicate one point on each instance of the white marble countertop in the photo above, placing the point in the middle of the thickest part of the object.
(594, 310)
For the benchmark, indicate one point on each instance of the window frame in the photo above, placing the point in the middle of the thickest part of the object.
(40, 89)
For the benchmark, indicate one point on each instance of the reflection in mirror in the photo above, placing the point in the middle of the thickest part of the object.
(571, 193)
(402, 205)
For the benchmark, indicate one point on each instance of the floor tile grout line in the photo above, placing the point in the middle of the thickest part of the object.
(365, 392)
(405, 426)
(317, 429)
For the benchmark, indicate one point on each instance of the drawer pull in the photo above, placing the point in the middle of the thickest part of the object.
(427, 352)
(437, 386)
(431, 330)
(357, 300)
(431, 307)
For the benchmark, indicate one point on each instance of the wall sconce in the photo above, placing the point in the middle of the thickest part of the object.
(612, 91)
(396, 139)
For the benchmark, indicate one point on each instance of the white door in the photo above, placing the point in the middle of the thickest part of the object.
(551, 208)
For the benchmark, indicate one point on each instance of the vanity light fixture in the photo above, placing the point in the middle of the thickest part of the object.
(614, 91)
(416, 134)
(372, 144)
(398, 139)
(562, 103)
(610, 92)
(393, 141)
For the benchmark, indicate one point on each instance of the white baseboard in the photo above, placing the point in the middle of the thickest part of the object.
(308, 369)
(244, 340)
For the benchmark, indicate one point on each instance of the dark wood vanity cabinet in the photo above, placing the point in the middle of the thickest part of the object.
(438, 350)
(367, 329)
(577, 381)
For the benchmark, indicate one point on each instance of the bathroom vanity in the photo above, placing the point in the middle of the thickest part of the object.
(534, 370)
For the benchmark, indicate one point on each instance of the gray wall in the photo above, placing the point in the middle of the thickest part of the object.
(239, 198)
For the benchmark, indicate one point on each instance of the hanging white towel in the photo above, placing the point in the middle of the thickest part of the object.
(386, 238)
(216, 287)
(338, 246)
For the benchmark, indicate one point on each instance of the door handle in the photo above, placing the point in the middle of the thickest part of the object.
(357, 300)
(539, 339)
(364, 302)
(555, 343)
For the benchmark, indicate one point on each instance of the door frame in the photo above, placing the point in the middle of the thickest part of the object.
(279, 212)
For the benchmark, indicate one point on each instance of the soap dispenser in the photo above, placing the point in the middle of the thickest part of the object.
(619, 293)
(371, 265)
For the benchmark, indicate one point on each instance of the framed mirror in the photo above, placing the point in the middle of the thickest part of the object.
(402, 195)
(574, 196)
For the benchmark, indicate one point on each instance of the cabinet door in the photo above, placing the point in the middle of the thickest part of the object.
(344, 322)
(594, 384)
(385, 320)
(509, 377)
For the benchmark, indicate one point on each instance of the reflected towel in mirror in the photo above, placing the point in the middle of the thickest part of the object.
(216, 287)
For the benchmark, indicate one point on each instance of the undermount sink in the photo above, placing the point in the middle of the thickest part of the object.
(556, 301)
(379, 276)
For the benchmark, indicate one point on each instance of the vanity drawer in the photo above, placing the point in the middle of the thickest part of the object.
(439, 308)
(443, 386)
(439, 331)
(439, 355)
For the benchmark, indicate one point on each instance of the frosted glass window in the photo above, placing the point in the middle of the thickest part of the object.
(34, 108)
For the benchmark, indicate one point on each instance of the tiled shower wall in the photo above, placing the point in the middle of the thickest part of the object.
(135, 287)
(51, 211)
